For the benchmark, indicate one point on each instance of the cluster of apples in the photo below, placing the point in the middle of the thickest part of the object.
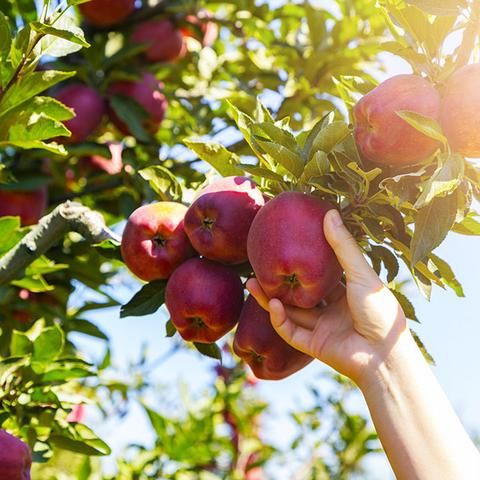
(164, 42)
(230, 228)
(383, 137)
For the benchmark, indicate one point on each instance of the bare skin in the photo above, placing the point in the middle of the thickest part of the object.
(362, 333)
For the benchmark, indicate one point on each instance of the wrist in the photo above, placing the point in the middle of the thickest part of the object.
(386, 365)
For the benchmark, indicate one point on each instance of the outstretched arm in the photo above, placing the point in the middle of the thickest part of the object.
(362, 333)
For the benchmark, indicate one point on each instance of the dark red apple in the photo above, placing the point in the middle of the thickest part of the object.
(289, 253)
(219, 220)
(89, 108)
(259, 345)
(146, 91)
(385, 138)
(106, 13)
(204, 299)
(29, 205)
(15, 458)
(154, 242)
(164, 41)
(460, 117)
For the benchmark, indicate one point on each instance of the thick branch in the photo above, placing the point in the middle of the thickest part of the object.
(67, 217)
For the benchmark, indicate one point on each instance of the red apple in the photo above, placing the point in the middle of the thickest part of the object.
(147, 93)
(204, 299)
(219, 220)
(105, 13)
(203, 25)
(259, 345)
(154, 242)
(111, 166)
(460, 117)
(29, 205)
(15, 458)
(381, 135)
(289, 253)
(164, 41)
(89, 108)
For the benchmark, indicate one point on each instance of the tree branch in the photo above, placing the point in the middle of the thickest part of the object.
(67, 217)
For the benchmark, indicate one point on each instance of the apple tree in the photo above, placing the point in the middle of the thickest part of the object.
(194, 143)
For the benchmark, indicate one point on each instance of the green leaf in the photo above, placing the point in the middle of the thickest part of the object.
(170, 329)
(74, 37)
(211, 350)
(275, 134)
(444, 181)
(146, 301)
(109, 249)
(312, 135)
(262, 173)
(388, 259)
(162, 181)
(5, 38)
(20, 344)
(10, 233)
(437, 7)
(215, 154)
(432, 224)
(84, 441)
(288, 159)
(29, 86)
(88, 328)
(63, 39)
(318, 166)
(406, 305)
(48, 345)
(330, 136)
(468, 226)
(426, 125)
(423, 349)
(447, 275)
(131, 113)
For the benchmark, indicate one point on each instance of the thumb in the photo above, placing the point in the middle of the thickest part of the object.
(347, 250)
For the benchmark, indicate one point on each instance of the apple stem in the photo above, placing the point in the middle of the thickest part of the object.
(67, 217)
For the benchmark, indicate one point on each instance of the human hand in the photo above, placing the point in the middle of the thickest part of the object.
(358, 325)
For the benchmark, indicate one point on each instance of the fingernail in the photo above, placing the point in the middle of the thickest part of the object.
(335, 218)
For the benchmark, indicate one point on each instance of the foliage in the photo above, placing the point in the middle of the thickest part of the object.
(272, 98)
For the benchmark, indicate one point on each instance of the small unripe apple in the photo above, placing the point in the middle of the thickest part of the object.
(89, 108)
(154, 242)
(106, 13)
(204, 299)
(15, 458)
(260, 346)
(29, 205)
(382, 136)
(164, 41)
(460, 117)
(146, 91)
(289, 253)
(219, 220)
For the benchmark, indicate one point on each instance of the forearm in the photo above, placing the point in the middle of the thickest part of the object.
(419, 430)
